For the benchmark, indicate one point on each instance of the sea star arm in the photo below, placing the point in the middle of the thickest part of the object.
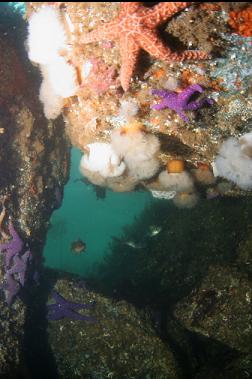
(159, 106)
(54, 312)
(129, 50)
(149, 40)
(11, 289)
(182, 115)
(185, 95)
(108, 31)
(190, 55)
(58, 298)
(162, 12)
(129, 7)
(159, 92)
(194, 105)
(80, 306)
(77, 316)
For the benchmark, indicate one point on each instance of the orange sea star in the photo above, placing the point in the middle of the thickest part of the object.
(135, 27)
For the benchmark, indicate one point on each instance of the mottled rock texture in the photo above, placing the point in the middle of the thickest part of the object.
(34, 156)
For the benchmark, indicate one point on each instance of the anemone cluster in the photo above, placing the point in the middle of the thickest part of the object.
(127, 154)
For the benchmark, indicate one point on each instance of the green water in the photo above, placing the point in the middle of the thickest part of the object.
(95, 221)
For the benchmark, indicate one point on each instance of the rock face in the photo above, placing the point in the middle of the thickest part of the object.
(121, 344)
(220, 309)
(98, 106)
(34, 156)
(196, 275)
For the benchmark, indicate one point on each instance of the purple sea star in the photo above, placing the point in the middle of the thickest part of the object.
(14, 263)
(20, 266)
(66, 309)
(180, 102)
(11, 288)
(12, 247)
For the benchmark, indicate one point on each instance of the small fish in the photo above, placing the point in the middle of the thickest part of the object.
(153, 230)
(131, 243)
(134, 244)
(78, 246)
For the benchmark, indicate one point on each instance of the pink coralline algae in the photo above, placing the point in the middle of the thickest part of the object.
(101, 77)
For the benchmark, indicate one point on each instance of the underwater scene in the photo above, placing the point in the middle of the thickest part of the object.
(126, 190)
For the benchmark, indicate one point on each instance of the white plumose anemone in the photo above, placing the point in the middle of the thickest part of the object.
(46, 38)
(185, 199)
(246, 144)
(179, 182)
(103, 160)
(143, 169)
(139, 151)
(46, 35)
(234, 162)
(52, 102)
(128, 109)
(62, 77)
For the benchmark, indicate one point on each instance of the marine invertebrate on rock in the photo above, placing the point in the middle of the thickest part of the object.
(46, 35)
(234, 162)
(11, 288)
(135, 27)
(12, 247)
(2, 215)
(103, 160)
(128, 109)
(241, 21)
(67, 309)
(166, 195)
(143, 169)
(179, 182)
(46, 41)
(19, 266)
(203, 174)
(52, 102)
(180, 102)
(98, 76)
(175, 166)
(138, 149)
(123, 183)
(185, 199)
(61, 76)
(246, 144)
(15, 264)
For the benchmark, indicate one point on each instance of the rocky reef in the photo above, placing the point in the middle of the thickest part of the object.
(102, 103)
(173, 295)
(34, 156)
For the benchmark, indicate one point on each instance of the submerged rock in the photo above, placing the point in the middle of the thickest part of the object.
(34, 156)
(220, 308)
(122, 344)
(96, 108)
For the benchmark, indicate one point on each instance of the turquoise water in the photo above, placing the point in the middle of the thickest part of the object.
(18, 6)
(95, 221)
